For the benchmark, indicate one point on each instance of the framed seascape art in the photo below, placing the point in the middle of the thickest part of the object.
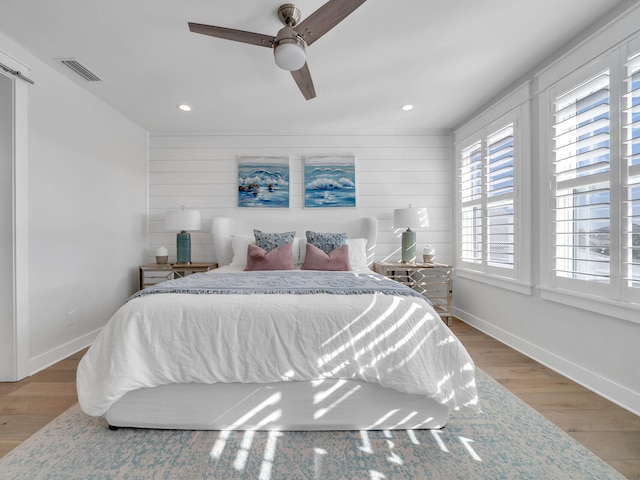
(263, 182)
(330, 181)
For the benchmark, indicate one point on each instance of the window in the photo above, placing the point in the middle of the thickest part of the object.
(492, 155)
(471, 200)
(500, 198)
(487, 199)
(582, 182)
(631, 155)
(595, 180)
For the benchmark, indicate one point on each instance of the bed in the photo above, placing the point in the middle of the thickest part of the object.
(308, 350)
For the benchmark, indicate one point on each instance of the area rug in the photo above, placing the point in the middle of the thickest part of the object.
(509, 440)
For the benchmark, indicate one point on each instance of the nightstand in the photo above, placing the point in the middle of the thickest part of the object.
(159, 272)
(433, 280)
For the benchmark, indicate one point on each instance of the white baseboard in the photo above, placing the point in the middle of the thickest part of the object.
(61, 352)
(612, 391)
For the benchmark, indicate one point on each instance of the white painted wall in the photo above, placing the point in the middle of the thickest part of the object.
(597, 350)
(86, 211)
(392, 171)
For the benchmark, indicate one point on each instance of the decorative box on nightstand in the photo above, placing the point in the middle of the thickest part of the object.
(159, 272)
(433, 280)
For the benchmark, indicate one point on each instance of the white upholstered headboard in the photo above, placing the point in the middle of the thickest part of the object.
(223, 227)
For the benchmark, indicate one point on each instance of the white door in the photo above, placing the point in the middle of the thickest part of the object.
(8, 369)
(14, 221)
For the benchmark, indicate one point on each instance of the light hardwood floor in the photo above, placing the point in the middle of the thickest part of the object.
(609, 431)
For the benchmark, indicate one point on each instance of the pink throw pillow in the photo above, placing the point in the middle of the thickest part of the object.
(335, 260)
(280, 258)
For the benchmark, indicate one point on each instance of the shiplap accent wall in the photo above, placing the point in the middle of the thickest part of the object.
(199, 171)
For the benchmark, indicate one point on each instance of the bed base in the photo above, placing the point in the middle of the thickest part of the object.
(311, 405)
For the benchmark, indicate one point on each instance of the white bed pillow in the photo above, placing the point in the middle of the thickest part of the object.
(240, 245)
(357, 251)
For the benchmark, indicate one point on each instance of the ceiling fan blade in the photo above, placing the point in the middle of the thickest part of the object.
(325, 18)
(304, 82)
(235, 35)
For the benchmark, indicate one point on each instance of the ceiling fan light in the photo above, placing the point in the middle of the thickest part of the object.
(290, 56)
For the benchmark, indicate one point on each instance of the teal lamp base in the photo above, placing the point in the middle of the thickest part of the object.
(408, 246)
(183, 242)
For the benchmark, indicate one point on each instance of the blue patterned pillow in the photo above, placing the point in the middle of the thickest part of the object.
(269, 241)
(327, 242)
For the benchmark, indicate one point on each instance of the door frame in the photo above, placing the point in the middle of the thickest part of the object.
(19, 223)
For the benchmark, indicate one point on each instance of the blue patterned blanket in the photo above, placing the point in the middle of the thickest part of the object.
(297, 282)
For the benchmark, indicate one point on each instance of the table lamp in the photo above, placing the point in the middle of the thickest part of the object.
(410, 218)
(181, 221)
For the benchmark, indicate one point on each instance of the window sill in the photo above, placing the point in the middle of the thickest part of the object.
(604, 306)
(495, 281)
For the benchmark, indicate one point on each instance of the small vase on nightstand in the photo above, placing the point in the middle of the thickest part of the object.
(428, 254)
(162, 255)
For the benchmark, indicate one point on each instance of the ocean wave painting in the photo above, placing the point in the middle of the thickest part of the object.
(330, 181)
(263, 182)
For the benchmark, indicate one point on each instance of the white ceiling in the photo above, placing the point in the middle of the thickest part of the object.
(447, 58)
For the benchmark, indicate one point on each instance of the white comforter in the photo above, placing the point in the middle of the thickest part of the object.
(398, 342)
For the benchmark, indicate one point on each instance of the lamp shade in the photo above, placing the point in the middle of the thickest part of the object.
(290, 56)
(182, 220)
(410, 217)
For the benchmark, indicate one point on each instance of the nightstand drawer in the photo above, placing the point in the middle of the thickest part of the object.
(151, 277)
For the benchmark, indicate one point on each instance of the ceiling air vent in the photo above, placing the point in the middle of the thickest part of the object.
(80, 69)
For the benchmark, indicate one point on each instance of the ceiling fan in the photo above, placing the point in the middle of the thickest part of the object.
(291, 41)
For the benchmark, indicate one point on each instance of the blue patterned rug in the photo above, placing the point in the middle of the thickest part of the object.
(509, 440)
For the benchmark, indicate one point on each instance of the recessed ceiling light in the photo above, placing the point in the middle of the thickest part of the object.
(406, 108)
(184, 107)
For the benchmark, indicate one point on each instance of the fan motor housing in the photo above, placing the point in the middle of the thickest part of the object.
(289, 14)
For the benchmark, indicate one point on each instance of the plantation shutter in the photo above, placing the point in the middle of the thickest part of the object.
(471, 202)
(581, 240)
(631, 156)
(500, 198)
